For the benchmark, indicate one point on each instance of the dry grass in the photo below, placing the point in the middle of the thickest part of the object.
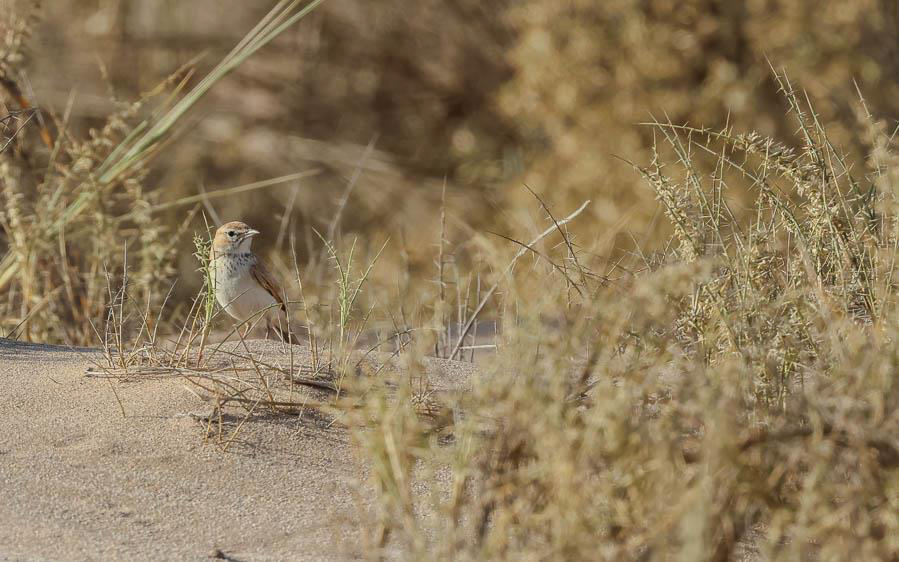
(736, 396)
(725, 391)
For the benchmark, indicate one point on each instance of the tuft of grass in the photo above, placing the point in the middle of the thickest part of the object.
(203, 245)
(348, 291)
(730, 396)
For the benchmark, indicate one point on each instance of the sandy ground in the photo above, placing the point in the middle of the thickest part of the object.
(78, 480)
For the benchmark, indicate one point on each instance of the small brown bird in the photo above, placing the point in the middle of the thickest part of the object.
(244, 287)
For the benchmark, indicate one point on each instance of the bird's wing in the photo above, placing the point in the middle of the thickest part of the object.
(268, 281)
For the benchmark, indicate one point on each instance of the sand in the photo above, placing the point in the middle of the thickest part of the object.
(78, 480)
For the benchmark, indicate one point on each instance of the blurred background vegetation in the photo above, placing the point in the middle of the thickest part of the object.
(483, 96)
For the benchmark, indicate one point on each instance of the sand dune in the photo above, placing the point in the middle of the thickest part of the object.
(81, 481)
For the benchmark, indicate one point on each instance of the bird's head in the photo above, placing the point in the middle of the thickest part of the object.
(233, 237)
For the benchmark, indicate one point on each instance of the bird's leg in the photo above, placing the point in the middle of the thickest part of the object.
(246, 330)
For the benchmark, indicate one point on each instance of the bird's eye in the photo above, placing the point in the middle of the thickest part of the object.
(231, 233)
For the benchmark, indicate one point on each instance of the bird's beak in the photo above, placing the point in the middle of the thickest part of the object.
(249, 234)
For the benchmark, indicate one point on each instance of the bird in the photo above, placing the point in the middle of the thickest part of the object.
(244, 286)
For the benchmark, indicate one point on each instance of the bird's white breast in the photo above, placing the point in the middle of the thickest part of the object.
(236, 290)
